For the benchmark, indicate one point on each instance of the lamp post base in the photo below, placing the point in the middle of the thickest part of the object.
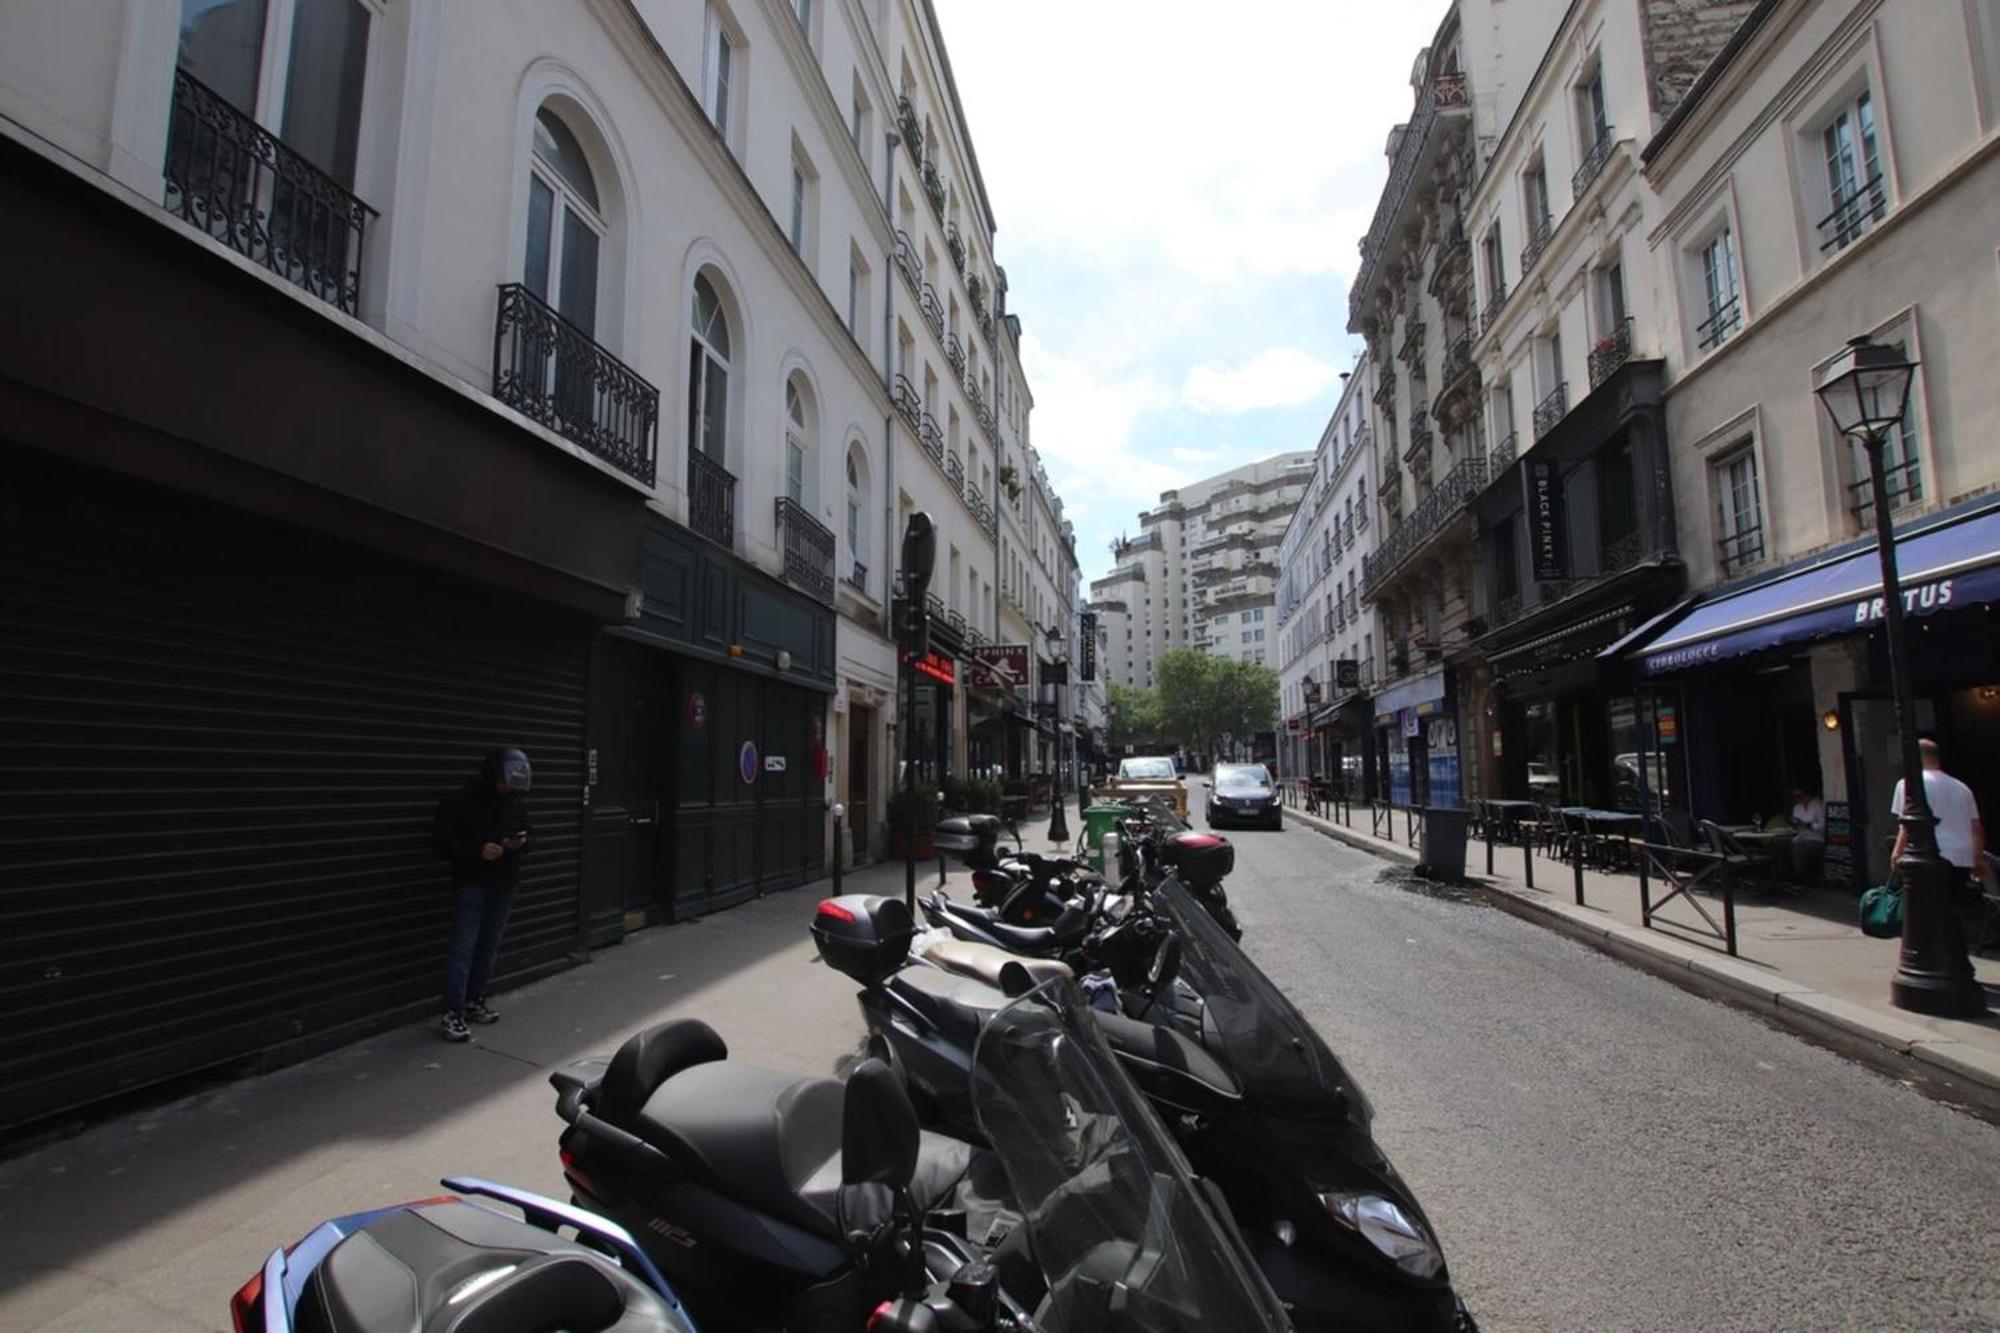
(1934, 975)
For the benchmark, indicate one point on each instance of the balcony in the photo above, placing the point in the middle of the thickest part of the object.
(1613, 350)
(1453, 267)
(911, 129)
(1551, 410)
(954, 242)
(1502, 456)
(931, 308)
(1742, 548)
(1412, 350)
(1593, 162)
(239, 183)
(1619, 553)
(1494, 305)
(1721, 324)
(1420, 433)
(954, 471)
(1444, 503)
(711, 499)
(987, 328)
(857, 578)
(907, 403)
(1443, 92)
(807, 546)
(1461, 377)
(1538, 241)
(1385, 390)
(907, 262)
(931, 437)
(1853, 214)
(933, 186)
(954, 352)
(550, 371)
(1903, 481)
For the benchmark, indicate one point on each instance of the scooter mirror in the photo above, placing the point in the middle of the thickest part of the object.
(1015, 980)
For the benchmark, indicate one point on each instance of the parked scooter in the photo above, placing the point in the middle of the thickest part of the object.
(800, 1204)
(1260, 1105)
(453, 1264)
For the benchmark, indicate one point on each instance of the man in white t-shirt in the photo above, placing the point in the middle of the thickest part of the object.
(1809, 826)
(1960, 835)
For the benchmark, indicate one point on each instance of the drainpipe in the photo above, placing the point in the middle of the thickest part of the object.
(894, 141)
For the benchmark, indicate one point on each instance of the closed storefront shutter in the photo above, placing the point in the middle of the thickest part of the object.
(221, 742)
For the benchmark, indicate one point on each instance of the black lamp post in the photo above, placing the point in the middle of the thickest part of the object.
(919, 559)
(1867, 392)
(1059, 818)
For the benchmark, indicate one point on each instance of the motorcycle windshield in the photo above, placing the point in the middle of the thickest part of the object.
(1278, 1059)
(1114, 1217)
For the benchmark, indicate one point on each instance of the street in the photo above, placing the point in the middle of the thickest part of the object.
(1599, 1149)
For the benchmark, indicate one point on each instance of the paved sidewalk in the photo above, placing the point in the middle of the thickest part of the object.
(1803, 963)
(152, 1220)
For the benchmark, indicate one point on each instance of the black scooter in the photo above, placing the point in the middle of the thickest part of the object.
(1257, 1103)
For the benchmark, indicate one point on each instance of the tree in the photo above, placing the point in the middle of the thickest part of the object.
(1202, 699)
(1135, 715)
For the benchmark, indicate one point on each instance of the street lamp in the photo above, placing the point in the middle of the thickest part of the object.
(1867, 391)
(1059, 817)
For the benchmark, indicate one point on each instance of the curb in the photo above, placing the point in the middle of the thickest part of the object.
(1953, 1072)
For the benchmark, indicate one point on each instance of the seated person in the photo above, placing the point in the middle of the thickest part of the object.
(1809, 847)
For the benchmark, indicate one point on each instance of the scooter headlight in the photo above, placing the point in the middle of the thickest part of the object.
(1383, 1224)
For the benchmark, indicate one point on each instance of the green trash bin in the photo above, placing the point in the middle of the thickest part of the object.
(1098, 820)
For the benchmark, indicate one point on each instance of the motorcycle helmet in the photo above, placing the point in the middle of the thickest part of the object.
(510, 764)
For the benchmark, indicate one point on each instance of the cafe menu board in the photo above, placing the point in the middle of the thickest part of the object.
(1839, 845)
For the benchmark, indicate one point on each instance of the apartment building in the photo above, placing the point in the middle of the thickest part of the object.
(1326, 635)
(399, 380)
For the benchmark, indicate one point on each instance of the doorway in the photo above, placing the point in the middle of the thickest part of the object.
(860, 764)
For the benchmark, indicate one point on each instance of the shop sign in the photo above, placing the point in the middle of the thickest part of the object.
(1925, 597)
(1311, 688)
(1347, 673)
(1087, 663)
(1413, 725)
(999, 665)
(746, 762)
(935, 665)
(1547, 529)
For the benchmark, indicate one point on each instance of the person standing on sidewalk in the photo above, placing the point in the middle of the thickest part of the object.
(481, 830)
(1960, 835)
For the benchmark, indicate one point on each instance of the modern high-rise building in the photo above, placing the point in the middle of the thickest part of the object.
(1203, 571)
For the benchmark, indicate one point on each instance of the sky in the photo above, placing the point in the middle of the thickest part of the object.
(1180, 188)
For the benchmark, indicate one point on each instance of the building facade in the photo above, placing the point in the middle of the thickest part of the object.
(1833, 175)
(467, 374)
(1323, 620)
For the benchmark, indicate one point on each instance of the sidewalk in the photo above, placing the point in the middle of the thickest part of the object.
(151, 1220)
(1802, 963)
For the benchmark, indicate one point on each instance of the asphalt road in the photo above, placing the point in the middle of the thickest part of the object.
(1600, 1150)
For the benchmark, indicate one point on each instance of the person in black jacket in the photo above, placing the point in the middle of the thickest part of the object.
(481, 829)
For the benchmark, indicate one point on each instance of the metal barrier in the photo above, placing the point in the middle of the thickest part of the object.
(1673, 864)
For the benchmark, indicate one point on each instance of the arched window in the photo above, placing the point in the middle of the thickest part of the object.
(857, 516)
(708, 374)
(565, 225)
(795, 441)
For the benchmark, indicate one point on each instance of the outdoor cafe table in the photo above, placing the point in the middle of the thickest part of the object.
(1601, 825)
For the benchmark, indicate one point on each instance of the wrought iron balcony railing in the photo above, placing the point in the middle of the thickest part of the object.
(1420, 432)
(907, 403)
(1445, 502)
(988, 329)
(931, 436)
(1502, 456)
(550, 371)
(954, 352)
(907, 263)
(933, 186)
(1443, 92)
(1494, 305)
(931, 308)
(1385, 389)
(857, 577)
(243, 186)
(954, 241)
(1412, 349)
(1721, 324)
(711, 499)
(1619, 553)
(807, 546)
(910, 128)
(1853, 214)
(1593, 162)
(954, 471)
(1613, 350)
(1538, 241)
(1904, 482)
(1742, 548)
(1551, 410)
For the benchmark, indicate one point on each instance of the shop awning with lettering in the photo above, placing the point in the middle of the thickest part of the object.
(1951, 566)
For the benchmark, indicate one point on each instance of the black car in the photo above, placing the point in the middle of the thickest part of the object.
(1242, 793)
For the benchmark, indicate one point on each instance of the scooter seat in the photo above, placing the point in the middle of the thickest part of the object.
(1030, 940)
(983, 962)
(772, 1141)
(956, 1006)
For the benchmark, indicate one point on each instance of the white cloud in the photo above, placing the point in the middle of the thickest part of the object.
(1274, 377)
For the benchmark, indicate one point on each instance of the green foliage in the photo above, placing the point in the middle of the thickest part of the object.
(1135, 715)
(1203, 698)
(972, 796)
(923, 800)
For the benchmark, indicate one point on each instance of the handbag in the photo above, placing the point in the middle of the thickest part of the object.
(1882, 912)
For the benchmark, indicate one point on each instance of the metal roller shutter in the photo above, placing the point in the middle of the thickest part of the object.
(221, 742)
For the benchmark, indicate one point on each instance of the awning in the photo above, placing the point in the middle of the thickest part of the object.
(1951, 566)
(1413, 693)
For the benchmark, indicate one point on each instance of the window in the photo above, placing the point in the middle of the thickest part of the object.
(1722, 301)
(1902, 471)
(1535, 200)
(1611, 297)
(798, 227)
(719, 73)
(565, 229)
(1855, 196)
(708, 374)
(795, 442)
(1617, 507)
(858, 118)
(800, 219)
(1590, 109)
(313, 95)
(803, 9)
(1495, 269)
(857, 295)
(1740, 518)
(857, 513)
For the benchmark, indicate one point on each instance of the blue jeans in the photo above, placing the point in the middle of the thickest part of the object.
(478, 916)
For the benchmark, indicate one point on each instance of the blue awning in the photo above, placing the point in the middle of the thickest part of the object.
(1413, 693)
(1949, 567)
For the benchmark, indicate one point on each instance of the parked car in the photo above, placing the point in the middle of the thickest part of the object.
(1245, 794)
(1153, 775)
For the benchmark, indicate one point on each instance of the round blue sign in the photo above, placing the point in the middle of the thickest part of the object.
(746, 761)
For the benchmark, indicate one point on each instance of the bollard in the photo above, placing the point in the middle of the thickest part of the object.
(1576, 863)
(1528, 855)
(1489, 847)
(1645, 889)
(839, 812)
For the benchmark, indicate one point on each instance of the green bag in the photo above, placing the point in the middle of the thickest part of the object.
(1882, 912)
